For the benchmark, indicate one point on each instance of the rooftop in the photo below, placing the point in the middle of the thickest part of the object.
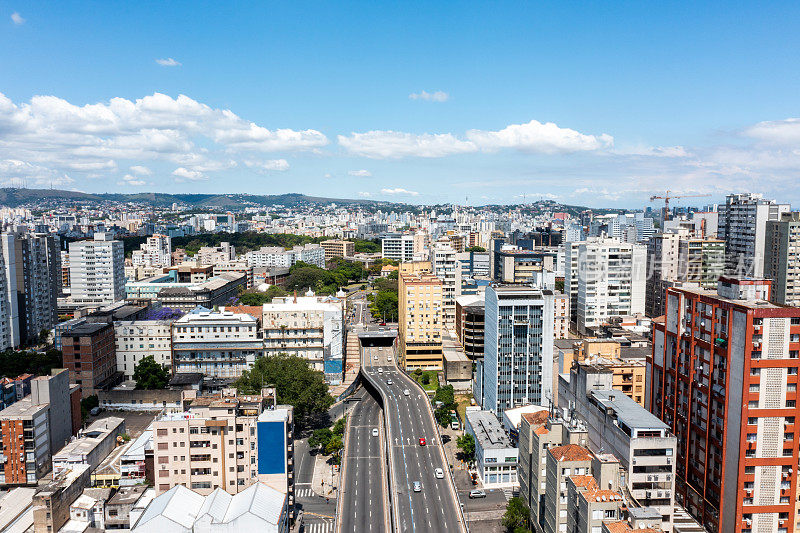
(570, 452)
(85, 329)
(628, 411)
(488, 431)
(24, 408)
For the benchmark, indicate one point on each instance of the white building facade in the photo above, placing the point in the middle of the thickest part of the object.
(155, 251)
(97, 270)
(138, 339)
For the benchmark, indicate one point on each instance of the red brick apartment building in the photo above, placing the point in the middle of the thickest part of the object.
(90, 355)
(723, 375)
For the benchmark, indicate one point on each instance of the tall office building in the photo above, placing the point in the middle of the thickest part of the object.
(781, 260)
(723, 377)
(610, 279)
(33, 282)
(97, 270)
(518, 347)
(155, 251)
(743, 226)
(398, 247)
(5, 311)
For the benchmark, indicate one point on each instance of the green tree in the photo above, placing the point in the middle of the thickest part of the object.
(295, 382)
(475, 249)
(517, 516)
(149, 375)
(385, 306)
(335, 445)
(466, 443)
(560, 285)
(442, 415)
(261, 298)
(338, 427)
(446, 395)
(87, 404)
(320, 438)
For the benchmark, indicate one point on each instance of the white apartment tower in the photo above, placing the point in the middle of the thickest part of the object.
(446, 268)
(97, 270)
(155, 251)
(611, 281)
(743, 226)
(518, 347)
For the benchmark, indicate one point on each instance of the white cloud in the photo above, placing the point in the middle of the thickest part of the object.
(531, 137)
(184, 174)
(14, 172)
(399, 191)
(272, 164)
(776, 131)
(53, 133)
(395, 144)
(140, 170)
(133, 181)
(364, 194)
(534, 136)
(653, 151)
(436, 96)
(360, 173)
(17, 19)
(327, 175)
(168, 62)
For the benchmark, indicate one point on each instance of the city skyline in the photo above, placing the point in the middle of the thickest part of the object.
(589, 105)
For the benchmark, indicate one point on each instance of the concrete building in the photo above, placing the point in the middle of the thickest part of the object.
(513, 264)
(398, 247)
(275, 256)
(616, 424)
(419, 334)
(213, 255)
(781, 263)
(445, 267)
(236, 267)
(187, 295)
(218, 344)
(92, 445)
(97, 270)
(495, 456)
(560, 315)
(33, 428)
(610, 281)
(33, 284)
(742, 224)
(310, 327)
(89, 353)
(518, 347)
(723, 378)
(561, 463)
(155, 251)
(470, 325)
(138, 339)
(338, 248)
(181, 510)
(51, 505)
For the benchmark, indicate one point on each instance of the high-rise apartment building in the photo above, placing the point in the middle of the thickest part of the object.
(723, 377)
(97, 270)
(275, 256)
(89, 353)
(419, 332)
(155, 251)
(338, 248)
(398, 247)
(137, 339)
(212, 255)
(33, 283)
(518, 347)
(446, 268)
(611, 279)
(743, 226)
(781, 259)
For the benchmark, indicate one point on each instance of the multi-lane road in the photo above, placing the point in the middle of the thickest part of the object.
(407, 411)
(364, 475)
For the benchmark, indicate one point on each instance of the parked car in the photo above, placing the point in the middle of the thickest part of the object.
(94, 411)
(477, 493)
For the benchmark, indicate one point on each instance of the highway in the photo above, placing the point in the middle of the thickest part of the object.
(435, 508)
(364, 476)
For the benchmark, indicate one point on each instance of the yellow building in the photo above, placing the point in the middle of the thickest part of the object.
(336, 248)
(415, 267)
(421, 321)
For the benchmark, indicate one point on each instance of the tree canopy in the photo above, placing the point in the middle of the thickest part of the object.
(253, 297)
(149, 375)
(466, 443)
(295, 382)
(517, 516)
(15, 363)
(475, 249)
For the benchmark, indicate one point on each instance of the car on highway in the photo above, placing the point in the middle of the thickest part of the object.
(380, 370)
(389, 381)
(477, 493)
(376, 357)
(422, 441)
(374, 432)
(406, 392)
(389, 358)
(439, 473)
(417, 486)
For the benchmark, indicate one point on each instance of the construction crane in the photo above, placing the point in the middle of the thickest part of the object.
(667, 197)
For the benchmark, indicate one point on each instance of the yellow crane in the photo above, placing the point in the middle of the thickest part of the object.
(667, 197)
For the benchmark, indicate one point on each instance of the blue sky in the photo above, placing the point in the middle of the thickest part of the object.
(598, 104)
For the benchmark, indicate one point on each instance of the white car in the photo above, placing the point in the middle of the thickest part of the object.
(439, 473)
(406, 392)
(374, 432)
(380, 370)
(417, 486)
(376, 357)
(389, 358)
(389, 382)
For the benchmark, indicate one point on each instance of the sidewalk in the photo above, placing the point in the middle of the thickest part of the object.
(322, 479)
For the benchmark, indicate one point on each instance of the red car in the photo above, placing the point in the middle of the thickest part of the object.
(422, 441)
